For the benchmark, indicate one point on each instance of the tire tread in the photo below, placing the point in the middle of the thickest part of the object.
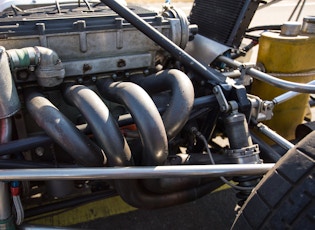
(285, 197)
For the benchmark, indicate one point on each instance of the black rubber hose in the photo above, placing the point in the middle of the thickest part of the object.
(264, 27)
(145, 115)
(102, 124)
(181, 103)
(62, 131)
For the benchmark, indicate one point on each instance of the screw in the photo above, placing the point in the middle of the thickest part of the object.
(121, 63)
(114, 76)
(80, 80)
(31, 68)
(39, 151)
(146, 72)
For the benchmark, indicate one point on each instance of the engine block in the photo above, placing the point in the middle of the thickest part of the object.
(88, 42)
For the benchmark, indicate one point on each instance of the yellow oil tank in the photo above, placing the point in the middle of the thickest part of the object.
(289, 55)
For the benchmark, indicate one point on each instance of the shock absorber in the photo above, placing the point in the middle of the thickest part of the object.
(242, 150)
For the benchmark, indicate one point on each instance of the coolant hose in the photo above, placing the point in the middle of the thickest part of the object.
(181, 103)
(102, 124)
(62, 131)
(145, 115)
(49, 68)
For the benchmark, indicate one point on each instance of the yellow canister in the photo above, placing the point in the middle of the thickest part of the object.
(290, 58)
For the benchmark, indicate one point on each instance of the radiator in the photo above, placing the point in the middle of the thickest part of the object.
(224, 21)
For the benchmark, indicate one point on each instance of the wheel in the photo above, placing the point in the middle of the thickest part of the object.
(285, 197)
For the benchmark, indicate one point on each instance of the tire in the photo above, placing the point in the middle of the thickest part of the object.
(285, 197)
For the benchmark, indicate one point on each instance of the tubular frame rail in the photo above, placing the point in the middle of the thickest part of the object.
(134, 172)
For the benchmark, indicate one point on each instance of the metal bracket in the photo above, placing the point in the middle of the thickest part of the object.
(261, 110)
(267, 109)
(224, 105)
(245, 79)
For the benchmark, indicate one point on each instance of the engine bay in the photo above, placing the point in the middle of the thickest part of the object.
(100, 98)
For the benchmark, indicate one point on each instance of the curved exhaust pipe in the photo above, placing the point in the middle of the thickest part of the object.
(62, 131)
(5, 207)
(134, 192)
(136, 195)
(181, 103)
(145, 115)
(174, 118)
(102, 124)
(9, 98)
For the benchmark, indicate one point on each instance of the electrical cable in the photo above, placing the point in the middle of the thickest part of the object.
(204, 140)
(264, 27)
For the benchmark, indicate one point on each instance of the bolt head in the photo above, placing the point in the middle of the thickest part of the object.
(39, 151)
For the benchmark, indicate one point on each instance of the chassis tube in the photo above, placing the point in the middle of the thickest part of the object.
(138, 172)
(164, 42)
(285, 144)
(24, 144)
(287, 85)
